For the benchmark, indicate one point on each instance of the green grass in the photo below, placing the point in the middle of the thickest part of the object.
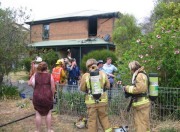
(168, 130)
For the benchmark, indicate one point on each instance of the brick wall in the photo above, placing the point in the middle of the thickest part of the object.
(72, 30)
(36, 33)
(68, 30)
(105, 26)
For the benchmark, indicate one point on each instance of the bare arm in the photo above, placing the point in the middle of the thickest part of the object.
(52, 85)
(31, 82)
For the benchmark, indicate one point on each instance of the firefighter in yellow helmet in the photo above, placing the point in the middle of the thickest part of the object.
(58, 72)
(139, 98)
(94, 83)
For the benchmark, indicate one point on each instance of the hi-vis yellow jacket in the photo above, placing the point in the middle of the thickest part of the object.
(85, 87)
(140, 82)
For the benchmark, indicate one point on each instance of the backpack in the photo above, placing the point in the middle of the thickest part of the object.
(95, 85)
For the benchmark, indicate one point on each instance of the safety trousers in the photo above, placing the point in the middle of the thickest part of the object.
(142, 119)
(98, 112)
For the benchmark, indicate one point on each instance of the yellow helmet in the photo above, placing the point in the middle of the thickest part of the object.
(90, 62)
(59, 62)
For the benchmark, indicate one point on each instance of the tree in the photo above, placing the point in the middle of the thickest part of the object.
(165, 9)
(13, 39)
(162, 9)
(159, 51)
(125, 29)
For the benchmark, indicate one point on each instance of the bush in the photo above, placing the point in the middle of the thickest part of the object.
(8, 92)
(72, 102)
(27, 63)
(158, 51)
(98, 55)
(50, 57)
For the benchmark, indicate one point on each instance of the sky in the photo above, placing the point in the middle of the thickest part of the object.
(49, 8)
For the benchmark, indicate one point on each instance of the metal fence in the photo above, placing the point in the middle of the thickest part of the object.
(167, 105)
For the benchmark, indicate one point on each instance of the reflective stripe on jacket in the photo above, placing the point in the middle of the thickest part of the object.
(140, 101)
(108, 130)
(56, 74)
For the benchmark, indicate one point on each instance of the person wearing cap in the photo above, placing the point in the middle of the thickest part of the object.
(73, 73)
(34, 65)
(100, 64)
(96, 108)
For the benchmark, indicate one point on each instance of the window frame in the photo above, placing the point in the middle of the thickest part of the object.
(45, 36)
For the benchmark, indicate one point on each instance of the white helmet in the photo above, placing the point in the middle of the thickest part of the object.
(38, 59)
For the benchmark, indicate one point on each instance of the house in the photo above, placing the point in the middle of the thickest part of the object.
(81, 32)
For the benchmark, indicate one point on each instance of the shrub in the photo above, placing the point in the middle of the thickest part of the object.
(158, 51)
(98, 55)
(50, 57)
(8, 92)
(27, 63)
(72, 102)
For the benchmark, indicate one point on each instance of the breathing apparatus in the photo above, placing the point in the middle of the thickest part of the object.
(153, 86)
(95, 86)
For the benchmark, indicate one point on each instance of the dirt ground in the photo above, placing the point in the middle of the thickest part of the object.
(11, 110)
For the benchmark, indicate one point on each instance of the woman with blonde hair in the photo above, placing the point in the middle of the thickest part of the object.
(44, 88)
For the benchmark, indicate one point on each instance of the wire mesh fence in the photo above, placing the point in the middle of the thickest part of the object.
(167, 106)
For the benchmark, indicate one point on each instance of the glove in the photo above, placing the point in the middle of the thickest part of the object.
(127, 95)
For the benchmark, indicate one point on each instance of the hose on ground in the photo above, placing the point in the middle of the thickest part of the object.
(19, 119)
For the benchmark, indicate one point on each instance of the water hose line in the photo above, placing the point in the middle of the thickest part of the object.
(19, 119)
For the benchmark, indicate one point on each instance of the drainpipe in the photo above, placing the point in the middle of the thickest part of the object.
(30, 34)
(107, 46)
(80, 54)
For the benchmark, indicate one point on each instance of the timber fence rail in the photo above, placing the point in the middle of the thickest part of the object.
(167, 105)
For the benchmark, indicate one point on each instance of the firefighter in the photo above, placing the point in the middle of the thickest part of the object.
(58, 71)
(139, 98)
(94, 83)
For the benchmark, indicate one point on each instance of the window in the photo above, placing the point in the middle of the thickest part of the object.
(45, 34)
(92, 26)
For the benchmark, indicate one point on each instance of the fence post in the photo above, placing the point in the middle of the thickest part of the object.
(59, 97)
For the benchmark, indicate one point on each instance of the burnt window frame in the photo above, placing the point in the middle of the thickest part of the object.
(91, 21)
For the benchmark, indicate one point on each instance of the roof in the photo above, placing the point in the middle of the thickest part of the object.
(70, 42)
(76, 15)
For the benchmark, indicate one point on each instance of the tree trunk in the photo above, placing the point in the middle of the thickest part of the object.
(1, 78)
